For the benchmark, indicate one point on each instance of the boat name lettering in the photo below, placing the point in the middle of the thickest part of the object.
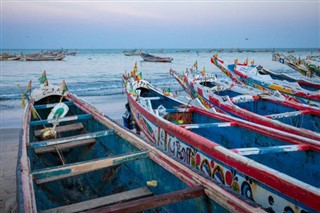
(180, 150)
(46, 91)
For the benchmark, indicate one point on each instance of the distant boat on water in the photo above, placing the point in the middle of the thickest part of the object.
(133, 52)
(183, 51)
(152, 58)
(8, 57)
(44, 57)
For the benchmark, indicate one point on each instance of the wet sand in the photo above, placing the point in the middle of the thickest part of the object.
(9, 139)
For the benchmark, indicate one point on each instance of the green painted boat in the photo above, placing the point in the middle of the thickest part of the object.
(72, 158)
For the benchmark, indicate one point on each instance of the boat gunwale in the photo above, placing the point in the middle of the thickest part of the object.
(229, 106)
(266, 175)
(183, 172)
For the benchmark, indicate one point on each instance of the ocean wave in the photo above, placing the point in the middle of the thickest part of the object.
(94, 88)
(5, 106)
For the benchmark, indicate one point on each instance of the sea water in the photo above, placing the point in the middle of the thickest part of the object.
(95, 75)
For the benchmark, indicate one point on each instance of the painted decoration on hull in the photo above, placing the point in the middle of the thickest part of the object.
(223, 174)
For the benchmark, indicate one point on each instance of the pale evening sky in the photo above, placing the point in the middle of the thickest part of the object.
(161, 24)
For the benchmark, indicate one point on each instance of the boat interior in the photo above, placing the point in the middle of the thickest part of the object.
(88, 166)
(270, 151)
(266, 107)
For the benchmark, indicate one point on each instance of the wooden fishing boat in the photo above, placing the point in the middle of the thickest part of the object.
(272, 110)
(253, 160)
(250, 75)
(311, 84)
(72, 53)
(152, 58)
(304, 67)
(9, 57)
(72, 158)
(45, 57)
(131, 52)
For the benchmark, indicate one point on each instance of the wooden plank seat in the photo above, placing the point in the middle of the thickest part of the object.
(143, 204)
(65, 140)
(47, 106)
(151, 98)
(271, 149)
(67, 118)
(208, 125)
(288, 114)
(177, 110)
(64, 128)
(242, 99)
(69, 170)
(65, 146)
(103, 201)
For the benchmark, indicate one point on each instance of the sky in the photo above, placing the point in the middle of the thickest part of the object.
(49, 24)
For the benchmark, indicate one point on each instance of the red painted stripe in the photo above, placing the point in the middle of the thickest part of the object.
(312, 96)
(191, 84)
(317, 86)
(240, 74)
(200, 91)
(247, 115)
(273, 180)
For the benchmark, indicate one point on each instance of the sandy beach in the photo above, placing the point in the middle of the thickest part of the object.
(8, 157)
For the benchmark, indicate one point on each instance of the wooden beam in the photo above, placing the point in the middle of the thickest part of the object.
(208, 125)
(71, 139)
(103, 201)
(65, 146)
(69, 170)
(288, 114)
(46, 106)
(153, 202)
(271, 149)
(61, 129)
(68, 118)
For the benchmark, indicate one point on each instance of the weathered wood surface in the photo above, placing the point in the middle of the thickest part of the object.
(271, 149)
(70, 139)
(61, 129)
(154, 201)
(46, 106)
(208, 125)
(103, 201)
(65, 146)
(67, 118)
(288, 114)
(60, 172)
(224, 197)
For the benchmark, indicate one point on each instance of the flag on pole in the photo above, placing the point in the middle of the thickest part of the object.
(28, 88)
(43, 78)
(134, 71)
(246, 62)
(203, 72)
(64, 87)
(196, 65)
(135, 68)
(166, 92)
(23, 104)
(139, 76)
